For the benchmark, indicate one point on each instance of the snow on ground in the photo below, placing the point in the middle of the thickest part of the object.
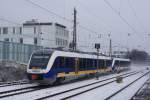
(59, 88)
(129, 92)
(97, 94)
(104, 92)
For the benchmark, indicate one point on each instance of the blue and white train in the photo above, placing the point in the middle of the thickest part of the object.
(51, 66)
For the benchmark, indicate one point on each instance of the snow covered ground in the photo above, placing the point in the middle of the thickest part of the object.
(96, 94)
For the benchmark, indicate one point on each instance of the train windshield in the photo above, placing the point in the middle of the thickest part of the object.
(39, 60)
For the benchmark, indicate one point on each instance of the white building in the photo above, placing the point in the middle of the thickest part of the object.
(37, 33)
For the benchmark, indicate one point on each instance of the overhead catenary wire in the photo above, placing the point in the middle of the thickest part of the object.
(59, 16)
(83, 27)
(124, 20)
(90, 44)
(135, 14)
(86, 8)
(51, 12)
(47, 10)
(12, 22)
(118, 13)
(31, 36)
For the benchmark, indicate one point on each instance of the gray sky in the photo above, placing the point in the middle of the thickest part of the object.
(95, 15)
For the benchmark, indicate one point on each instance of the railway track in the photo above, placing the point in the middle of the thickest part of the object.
(20, 82)
(17, 92)
(122, 89)
(9, 93)
(74, 89)
(143, 92)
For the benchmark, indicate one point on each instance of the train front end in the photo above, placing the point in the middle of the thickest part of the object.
(37, 70)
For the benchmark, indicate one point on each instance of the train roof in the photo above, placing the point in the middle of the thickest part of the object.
(122, 59)
(81, 55)
(77, 54)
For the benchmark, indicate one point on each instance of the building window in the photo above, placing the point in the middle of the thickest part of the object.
(56, 41)
(56, 32)
(66, 42)
(5, 30)
(20, 30)
(6, 39)
(21, 40)
(63, 42)
(34, 30)
(35, 41)
(13, 30)
(59, 41)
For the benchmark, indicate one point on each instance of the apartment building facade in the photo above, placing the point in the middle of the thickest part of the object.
(32, 32)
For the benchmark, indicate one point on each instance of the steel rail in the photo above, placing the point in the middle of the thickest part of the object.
(131, 73)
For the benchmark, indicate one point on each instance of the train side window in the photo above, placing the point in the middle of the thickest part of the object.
(67, 62)
(108, 63)
(95, 63)
(91, 64)
(80, 64)
(101, 64)
(87, 63)
(71, 62)
(63, 62)
(84, 63)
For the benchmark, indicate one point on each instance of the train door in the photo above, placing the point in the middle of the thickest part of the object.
(76, 65)
(105, 64)
(119, 67)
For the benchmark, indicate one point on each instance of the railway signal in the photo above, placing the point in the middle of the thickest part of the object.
(97, 47)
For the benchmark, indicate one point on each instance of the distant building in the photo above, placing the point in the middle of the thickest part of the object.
(32, 32)
(120, 53)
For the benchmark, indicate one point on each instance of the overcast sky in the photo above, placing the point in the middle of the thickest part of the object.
(95, 15)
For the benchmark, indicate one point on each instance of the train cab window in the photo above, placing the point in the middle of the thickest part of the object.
(39, 60)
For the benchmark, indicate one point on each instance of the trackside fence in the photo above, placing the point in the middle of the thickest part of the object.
(17, 52)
